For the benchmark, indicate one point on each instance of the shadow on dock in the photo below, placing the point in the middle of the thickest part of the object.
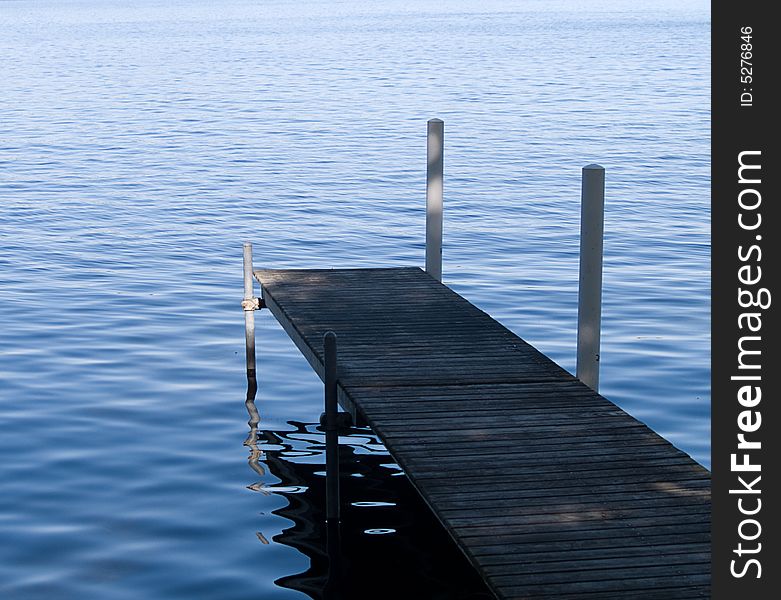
(388, 544)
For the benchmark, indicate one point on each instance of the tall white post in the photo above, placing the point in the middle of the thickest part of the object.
(249, 310)
(434, 197)
(592, 210)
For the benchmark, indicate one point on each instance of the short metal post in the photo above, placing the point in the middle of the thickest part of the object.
(249, 310)
(331, 430)
(592, 210)
(434, 197)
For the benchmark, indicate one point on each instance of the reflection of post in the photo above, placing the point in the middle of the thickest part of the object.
(331, 467)
(250, 305)
(251, 442)
(332, 543)
(331, 430)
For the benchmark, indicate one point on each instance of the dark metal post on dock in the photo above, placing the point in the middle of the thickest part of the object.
(434, 197)
(250, 304)
(331, 430)
(590, 288)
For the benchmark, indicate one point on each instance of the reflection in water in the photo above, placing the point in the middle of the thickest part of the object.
(388, 542)
(254, 418)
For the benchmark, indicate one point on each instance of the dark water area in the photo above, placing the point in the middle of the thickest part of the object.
(411, 555)
(141, 143)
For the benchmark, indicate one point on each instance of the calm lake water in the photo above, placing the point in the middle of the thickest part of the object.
(141, 143)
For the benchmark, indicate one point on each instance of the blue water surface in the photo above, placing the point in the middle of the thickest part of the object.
(141, 143)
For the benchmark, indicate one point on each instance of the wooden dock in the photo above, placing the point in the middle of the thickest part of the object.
(550, 490)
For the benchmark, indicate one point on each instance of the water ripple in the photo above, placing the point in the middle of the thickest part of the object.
(143, 142)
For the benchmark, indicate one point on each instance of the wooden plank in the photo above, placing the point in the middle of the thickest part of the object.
(582, 510)
(624, 561)
(448, 497)
(577, 549)
(551, 526)
(481, 452)
(550, 489)
(593, 537)
(558, 485)
(660, 593)
(640, 587)
(507, 521)
(554, 501)
(608, 439)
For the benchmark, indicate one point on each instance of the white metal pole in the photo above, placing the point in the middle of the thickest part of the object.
(590, 288)
(434, 197)
(249, 313)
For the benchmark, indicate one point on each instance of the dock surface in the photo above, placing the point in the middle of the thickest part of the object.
(550, 489)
